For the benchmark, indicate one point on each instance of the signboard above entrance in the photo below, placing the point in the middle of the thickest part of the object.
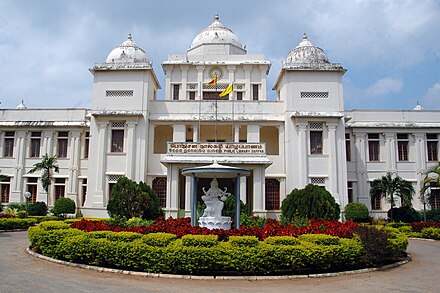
(221, 148)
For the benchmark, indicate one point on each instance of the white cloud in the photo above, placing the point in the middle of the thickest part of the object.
(384, 86)
(431, 99)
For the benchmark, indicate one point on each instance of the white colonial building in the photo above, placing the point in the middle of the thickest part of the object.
(302, 136)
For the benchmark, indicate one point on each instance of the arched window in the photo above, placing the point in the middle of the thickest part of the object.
(160, 187)
(272, 194)
(434, 199)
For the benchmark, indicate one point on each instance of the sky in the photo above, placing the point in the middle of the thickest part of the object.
(391, 49)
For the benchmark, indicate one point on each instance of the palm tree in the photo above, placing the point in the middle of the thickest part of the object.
(389, 187)
(48, 165)
(432, 178)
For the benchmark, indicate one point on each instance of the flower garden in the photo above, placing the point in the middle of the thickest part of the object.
(173, 246)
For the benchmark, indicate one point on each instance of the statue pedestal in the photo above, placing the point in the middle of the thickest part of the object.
(215, 222)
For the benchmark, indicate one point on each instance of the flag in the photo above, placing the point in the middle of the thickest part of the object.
(227, 91)
(213, 81)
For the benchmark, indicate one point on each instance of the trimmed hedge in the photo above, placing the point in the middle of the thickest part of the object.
(357, 212)
(16, 223)
(431, 233)
(204, 254)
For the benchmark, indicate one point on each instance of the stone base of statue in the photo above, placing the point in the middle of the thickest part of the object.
(215, 222)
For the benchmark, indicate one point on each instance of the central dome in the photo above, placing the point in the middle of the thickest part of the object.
(306, 53)
(216, 34)
(128, 51)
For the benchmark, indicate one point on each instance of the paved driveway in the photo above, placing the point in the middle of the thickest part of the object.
(20, 272)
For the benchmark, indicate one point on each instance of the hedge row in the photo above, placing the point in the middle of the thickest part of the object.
(16, 223)
(200, 254)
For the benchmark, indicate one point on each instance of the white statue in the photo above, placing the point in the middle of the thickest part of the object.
(214, 199)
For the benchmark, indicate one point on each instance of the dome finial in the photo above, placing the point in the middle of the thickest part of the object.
(216, 17)
(130, 37)
(304, 36)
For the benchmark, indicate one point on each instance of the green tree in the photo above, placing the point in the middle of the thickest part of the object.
(389, 186)
(48, 165)
(154, 210)
(432, 178)
(127, 199)
(311, 202)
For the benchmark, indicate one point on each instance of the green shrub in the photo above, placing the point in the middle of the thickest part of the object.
(229, 207)
(128, 200)
(137, 222)
(15, 223)
(40, 219)
(398, 224)
(158, 239)
(70, 221)
(53, 225)
(433, 215)
(154, 210)
(243, 241)
(357, 212)
(64, 206)
(320, 239)
(115, 236)
(282, 240)
(200, 240)
(117, 220)
(431, 233)
(21, 214)
(405, 214)
(38, 208)
(18, 206)
(312, 202)
(405, 229)
(252, 221)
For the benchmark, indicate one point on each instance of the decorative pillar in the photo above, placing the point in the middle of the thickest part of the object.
(131, 149)
(101, 154)
(263, 70)
(168, 70)
(74, 154)
(196, 133)
(237, 202)
(200, 69)
(19, 155)
(184, 69)
(333, 175)
(390, 145)
(302, 154)
(361, 169)
(194, 200)
(247, 78)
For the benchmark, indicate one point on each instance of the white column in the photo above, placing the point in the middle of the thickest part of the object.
(333, 175)
(236, 133)
(168, 70)
(184, 69)
(74, 155)
(131, 149)
(258, 191)
(100, 174)
(200, 69)
(19, 162)
(243, 188)
(195, 133)
(361, 170)
(188, 183)
(263, 70)
(173, 195)
(247, 77)
(253, 133)
(390, 145)
(231, 71)
(302, 154)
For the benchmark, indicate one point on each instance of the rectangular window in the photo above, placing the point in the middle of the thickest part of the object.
(86, 145)
(373, 147)
(314, 95)
(117, 141)
(432, 147)
(5, 188)
(272, 196)
(83, 191)
(8, 151)
(32, 186)
(62, 144)
(176, 88)
(255, 91)
(347, 147)
(402, 146)
(35, 144)
(192, 95)
(377, 202)
(60, 188)
(315, 142)
(239, 96)
(434, 199)
(350, 191)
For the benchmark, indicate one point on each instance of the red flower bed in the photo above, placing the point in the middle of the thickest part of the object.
(6, 216)
(181, 227)
(418, 226)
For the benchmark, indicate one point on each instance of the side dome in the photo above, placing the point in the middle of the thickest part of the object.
(306, 53)
(128, 51)
(217, 34)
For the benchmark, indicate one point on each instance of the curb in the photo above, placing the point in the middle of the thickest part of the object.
(193, 277)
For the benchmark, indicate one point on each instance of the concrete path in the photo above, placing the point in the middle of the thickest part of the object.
(20, 272)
